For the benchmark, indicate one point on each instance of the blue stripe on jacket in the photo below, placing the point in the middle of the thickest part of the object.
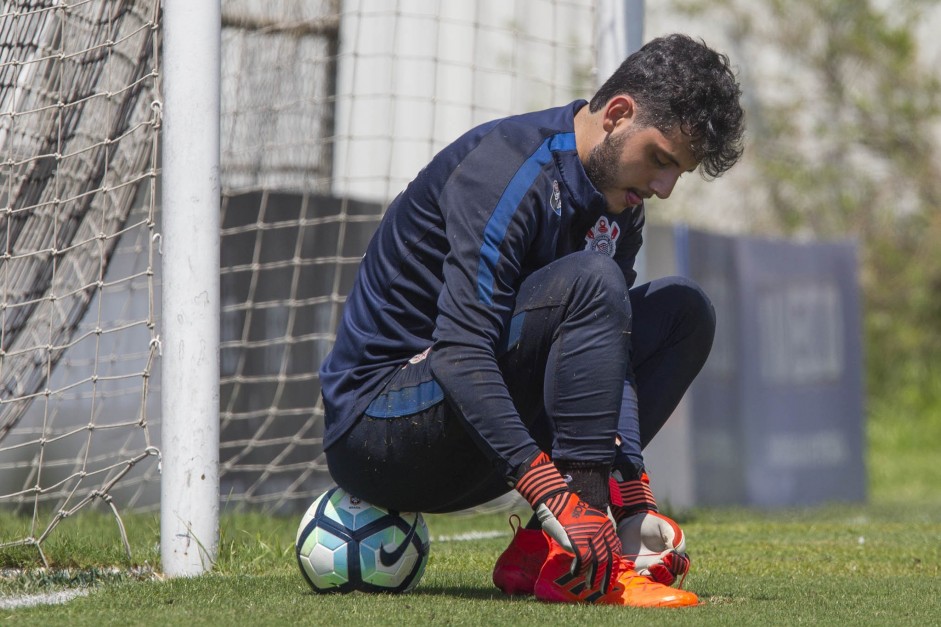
(499, 222)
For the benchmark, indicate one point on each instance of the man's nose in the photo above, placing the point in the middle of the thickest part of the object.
(663, 185)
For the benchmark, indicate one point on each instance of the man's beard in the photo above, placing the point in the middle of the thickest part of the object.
(602, 164)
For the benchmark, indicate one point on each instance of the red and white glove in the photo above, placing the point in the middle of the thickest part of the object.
(580, 529)
(654, 542)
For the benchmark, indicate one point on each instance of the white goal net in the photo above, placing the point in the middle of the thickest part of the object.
(329, 107)
(78, 131)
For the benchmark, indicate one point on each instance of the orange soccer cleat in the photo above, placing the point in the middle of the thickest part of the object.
(518, 566)
(557, 584)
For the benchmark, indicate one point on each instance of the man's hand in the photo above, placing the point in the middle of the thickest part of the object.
(579, 528)
(654, 543)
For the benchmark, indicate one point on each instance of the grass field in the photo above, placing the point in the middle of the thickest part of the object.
(875, 564)
(837, 565)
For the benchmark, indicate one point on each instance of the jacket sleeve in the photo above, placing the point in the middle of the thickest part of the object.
(490, 220)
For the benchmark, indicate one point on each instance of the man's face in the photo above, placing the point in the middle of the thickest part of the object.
(636, 162)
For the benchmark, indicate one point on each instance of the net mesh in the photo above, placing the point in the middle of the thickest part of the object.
(328, 109)
(338, 108)
(79, 139)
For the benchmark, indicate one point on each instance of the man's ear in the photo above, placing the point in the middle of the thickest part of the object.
(618, 110)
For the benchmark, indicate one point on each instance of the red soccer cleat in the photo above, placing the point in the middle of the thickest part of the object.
(518, 566)
(557, 584)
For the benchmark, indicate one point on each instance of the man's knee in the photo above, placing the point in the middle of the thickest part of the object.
(694, 308)
(600, 281)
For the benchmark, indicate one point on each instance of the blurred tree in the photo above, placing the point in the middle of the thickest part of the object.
(843, 119)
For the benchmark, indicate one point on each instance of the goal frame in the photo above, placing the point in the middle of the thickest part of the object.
(189, 490)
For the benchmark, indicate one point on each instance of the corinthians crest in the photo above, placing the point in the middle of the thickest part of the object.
(603, 237)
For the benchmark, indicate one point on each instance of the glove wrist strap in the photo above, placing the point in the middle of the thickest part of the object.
(540, 480)
(635, 496)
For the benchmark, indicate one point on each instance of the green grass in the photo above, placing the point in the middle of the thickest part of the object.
(867, 565)
(876, 564)
(904, 443)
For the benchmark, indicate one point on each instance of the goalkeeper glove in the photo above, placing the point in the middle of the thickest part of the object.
(579, 528)
(654, 542)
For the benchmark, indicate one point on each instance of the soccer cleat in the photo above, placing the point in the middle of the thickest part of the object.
(557, 584)
(518, 566)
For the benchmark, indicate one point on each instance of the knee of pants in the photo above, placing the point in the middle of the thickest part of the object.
(696, 307)
(602, 283)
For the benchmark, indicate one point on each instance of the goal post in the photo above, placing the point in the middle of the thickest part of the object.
(189, 495)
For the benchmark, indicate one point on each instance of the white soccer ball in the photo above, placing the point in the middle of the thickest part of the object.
(345, 544)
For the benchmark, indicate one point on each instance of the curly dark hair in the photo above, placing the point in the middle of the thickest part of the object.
(678, 80)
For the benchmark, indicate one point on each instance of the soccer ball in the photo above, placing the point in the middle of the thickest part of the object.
(345, 544)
